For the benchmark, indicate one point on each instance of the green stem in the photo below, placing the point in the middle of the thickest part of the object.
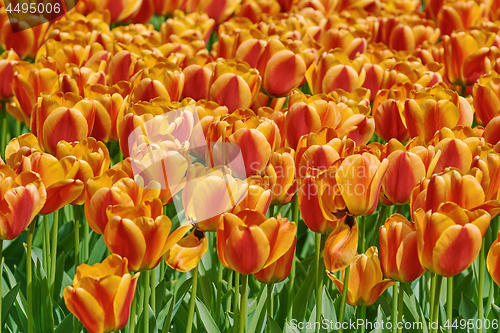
(4, 135)
(236, 298)
(344, 299)
(292, 271)
(18, 128)
(394, 316)
(229, 287)
(481, 287)
(192, 302)
(400, 304)
(270, 304)
(271, 211)
(362, 230)
(29, 277)
(46, 245)
(220, 270)
(380, 219)
(133, 310)
(362, 316)
(53, 252)
(433, 293)
(449, 303)
(86, 232)
(153, 290)
(269, 101)
(1, 271)
(437, 294)
(319, 280)
(243, 305)
(145, 310)
(77, 235)
(399, 209)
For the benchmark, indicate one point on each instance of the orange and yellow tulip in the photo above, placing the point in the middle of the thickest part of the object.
(113, 187)
(7, 61)
(186, 253)
(100, 295)
(486, 95)
(141, 239)
(341, 247)
(234, 84)
(280, 269)
(360, 178)
(366, 282)
(493, 260)
(464, 56)
(22, 198)
(248, 242)
(164, 80)
(459, 15)
(283, 67)
(398, 250)
(404, 172)
(449, 239)
(207, 195)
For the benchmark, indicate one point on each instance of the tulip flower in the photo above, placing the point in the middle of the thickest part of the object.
(257, 199)
(22, 33)
(234, 84)
(119, 10)
(398, 250)
(452, 186)
(283, 67)
(341, 247)
(492, 260)
(336, 71)
(23, 196)
(320, 216)
(366, 282)
(114, 187)
(209, 193)
(464, 56)
(185, 255)
(486, 95)
(100, 295)
(404, 172)
(428, 113)
(29, 82)
(181, 24)
(309, 116)
(197, 80)
(459, 15)
(449, 239)
(279, 177)
(352, 42)
(164, 80)
(7, 60)
(142, 240)
(389, 123)
(279, 270)
(248, 242)
(360, 179)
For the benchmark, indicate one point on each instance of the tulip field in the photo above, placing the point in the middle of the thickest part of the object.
(249, 166)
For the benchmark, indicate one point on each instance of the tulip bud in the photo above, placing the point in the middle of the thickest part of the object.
(366, 282)
(398, 250)
(100, 295)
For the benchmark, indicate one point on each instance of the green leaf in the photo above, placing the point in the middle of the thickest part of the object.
(328, 308)
(42, 301)
(206, 318)
(380, 317)
(59, 276)
(259, 314)
(464, 286)
(301, 299)
(66, 325)
(98, 251)
(8, 299)
(467, 308)
(273, 325)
